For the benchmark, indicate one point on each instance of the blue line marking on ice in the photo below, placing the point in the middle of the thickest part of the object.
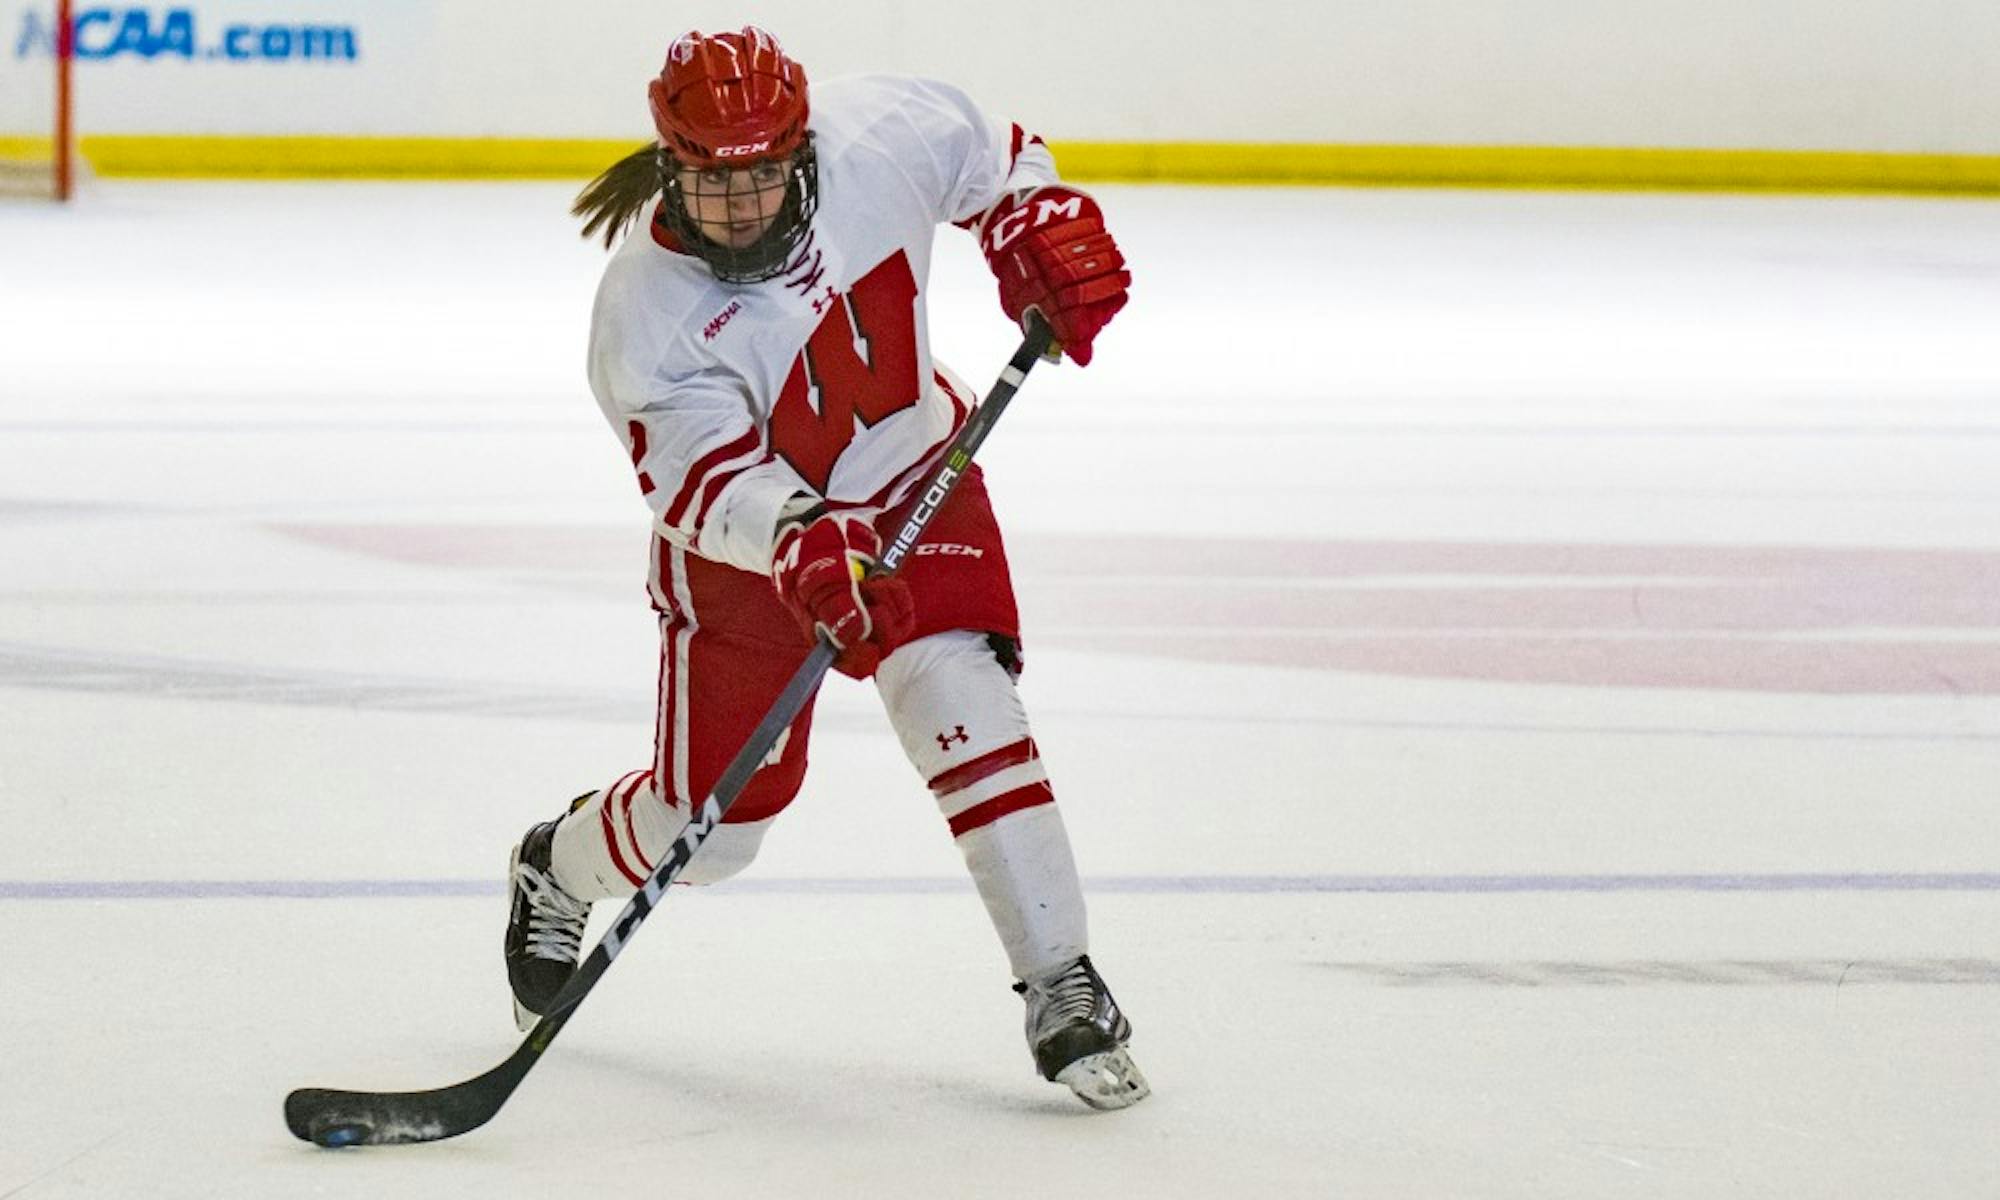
(1145, 885)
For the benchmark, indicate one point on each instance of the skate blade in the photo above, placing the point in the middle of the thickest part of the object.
(1106, 1081)
(523, 1019)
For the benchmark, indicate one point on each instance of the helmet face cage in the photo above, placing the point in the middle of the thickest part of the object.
(774, 250)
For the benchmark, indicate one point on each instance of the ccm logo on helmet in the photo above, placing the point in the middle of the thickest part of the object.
(1038, 213)
(742, 151)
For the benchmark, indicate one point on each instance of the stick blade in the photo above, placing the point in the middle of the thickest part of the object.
(334, 1119)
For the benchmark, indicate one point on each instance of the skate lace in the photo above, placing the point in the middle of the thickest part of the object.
(1071, 996)
(555, 918)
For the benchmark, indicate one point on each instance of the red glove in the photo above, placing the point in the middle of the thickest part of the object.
(1051, 252)
(818, 568)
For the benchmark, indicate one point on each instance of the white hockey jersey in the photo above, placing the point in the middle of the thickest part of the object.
(733, 398)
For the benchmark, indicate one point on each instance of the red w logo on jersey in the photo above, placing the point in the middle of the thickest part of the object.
(859, 365)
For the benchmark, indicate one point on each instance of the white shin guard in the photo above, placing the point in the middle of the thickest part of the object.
(963, 727)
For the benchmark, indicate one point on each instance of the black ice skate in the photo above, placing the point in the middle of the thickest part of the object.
(544, 928)
(1078, 1035)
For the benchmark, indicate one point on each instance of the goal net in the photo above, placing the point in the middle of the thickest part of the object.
(37, 155)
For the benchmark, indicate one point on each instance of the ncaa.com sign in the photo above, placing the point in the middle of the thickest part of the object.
(179, 33)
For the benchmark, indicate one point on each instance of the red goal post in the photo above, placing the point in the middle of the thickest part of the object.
(37, 98)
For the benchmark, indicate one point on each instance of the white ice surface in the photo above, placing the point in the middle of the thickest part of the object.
(318, 566)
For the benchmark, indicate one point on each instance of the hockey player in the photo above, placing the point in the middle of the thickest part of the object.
(759, 343)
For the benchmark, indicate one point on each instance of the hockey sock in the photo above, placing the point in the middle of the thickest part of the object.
(611, 840)
(964, 728)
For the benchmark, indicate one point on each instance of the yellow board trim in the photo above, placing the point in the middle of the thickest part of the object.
(1615, 168)
(347, 157)
(1618, 168)
(37, 148)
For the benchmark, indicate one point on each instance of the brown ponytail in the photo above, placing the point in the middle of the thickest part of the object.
(614, 199)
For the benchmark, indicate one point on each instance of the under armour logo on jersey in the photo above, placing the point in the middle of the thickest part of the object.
(946, 739)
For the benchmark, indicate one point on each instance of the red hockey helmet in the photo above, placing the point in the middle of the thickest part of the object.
(726, 105)
(728, 98)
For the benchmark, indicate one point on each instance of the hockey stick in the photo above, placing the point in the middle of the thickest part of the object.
(339, 1118)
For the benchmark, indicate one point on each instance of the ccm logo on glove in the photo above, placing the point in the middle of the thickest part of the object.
(1051, 253)
(1045, 208)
